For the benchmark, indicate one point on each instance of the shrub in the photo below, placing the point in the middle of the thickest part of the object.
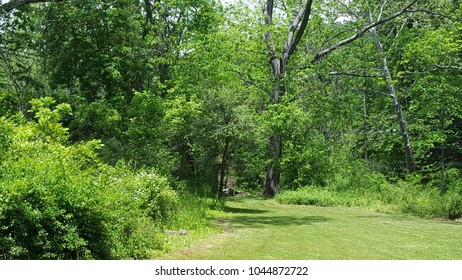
(309, 196)
(6, 129)
(406, 196)
(48, 202)
(151, 191)
(58, 201)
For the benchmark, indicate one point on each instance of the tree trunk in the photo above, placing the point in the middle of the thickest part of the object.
(278, 64)
(410, 165)
(443, 187)
(224, 166)
(273, 171)
(365, 124)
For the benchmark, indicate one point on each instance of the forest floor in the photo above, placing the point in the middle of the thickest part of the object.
(262, 229)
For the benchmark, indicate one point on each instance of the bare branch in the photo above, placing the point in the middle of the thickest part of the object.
(268, 12)
(348, 9)
(458, 68)
(381, 10)
(292, 28)
(352, 74)
(304, 16)
(359, 34)
(436, 14)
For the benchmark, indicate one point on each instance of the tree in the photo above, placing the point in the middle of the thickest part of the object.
(278, 64)
(23, 78)
(431, 60)
(410, 165)
(210, 108)
(13, 4)
(279, 59)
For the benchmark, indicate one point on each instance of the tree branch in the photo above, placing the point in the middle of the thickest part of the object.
(13, 4)
(291, 45)
(352, 74)
(348, 9)
(268, 13)
(458, 68)
(359, 34)
(292, 28)
(247, 80)
(435, 14)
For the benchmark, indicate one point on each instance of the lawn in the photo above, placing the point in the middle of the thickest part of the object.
(262, 229)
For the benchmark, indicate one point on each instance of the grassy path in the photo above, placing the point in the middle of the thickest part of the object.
(264, 229)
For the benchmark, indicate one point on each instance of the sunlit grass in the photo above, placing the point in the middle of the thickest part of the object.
(264, 229)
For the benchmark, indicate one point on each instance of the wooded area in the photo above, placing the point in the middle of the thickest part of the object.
(123, 117)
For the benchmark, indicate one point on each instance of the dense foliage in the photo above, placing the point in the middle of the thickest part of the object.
(120, 119)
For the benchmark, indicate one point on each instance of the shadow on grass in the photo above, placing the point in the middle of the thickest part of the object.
(237, 210)
(257, 221)
(248, 197)
(408, 218)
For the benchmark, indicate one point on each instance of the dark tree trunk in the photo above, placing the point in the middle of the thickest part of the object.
(273, 172)
(278, 66)
(224, 167)
(443, 187)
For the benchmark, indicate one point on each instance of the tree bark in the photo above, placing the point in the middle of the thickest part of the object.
(410, 165)
(273, 172)
(443, 187)
(224, 167)
(365, 123)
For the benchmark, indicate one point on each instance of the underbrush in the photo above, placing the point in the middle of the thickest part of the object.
(373, 191)
(318, 196)
(58, 201)
(195, 213)
(194, 219)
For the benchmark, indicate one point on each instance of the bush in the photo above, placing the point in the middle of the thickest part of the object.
(58, 201)
(413, 197)
(305, 165)
(49, 207)
(309, 196)
(152, 192)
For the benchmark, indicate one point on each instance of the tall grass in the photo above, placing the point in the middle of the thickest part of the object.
(373, 191)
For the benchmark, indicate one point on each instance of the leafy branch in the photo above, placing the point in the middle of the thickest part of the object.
(11, 5)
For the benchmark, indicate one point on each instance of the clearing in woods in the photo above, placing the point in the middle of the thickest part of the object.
(262, 229)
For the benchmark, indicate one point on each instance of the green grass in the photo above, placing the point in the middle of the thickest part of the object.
(259, 229)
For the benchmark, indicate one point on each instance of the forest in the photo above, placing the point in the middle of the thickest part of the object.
(122, 119)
